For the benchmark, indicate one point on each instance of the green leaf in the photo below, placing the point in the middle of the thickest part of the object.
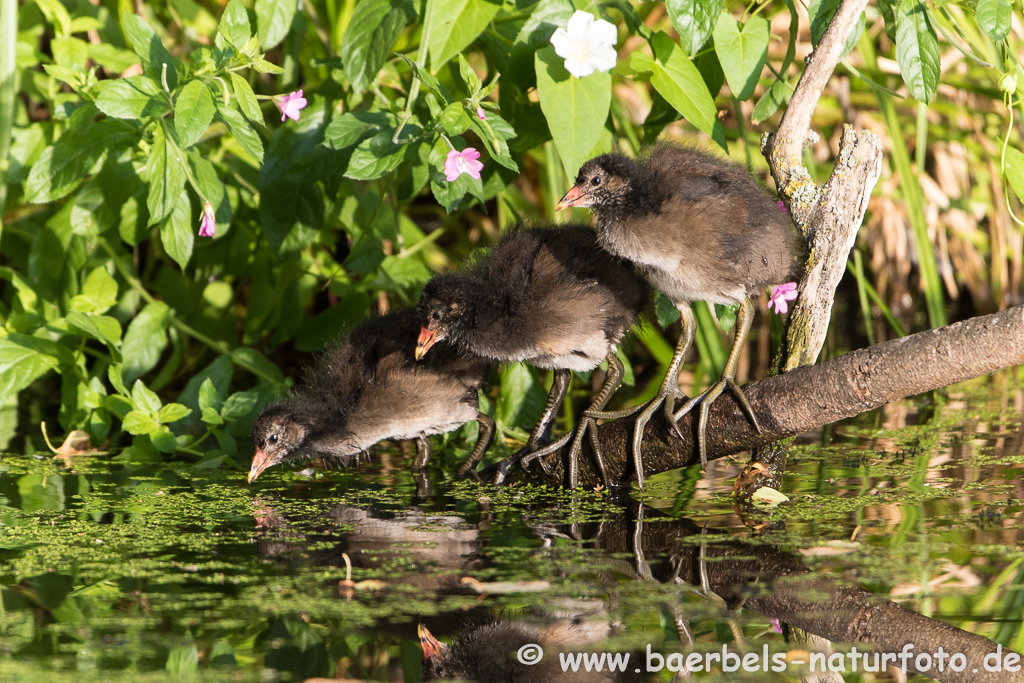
(139, 422)
(241, 130)
(193, 112)
(372, 30)
(273, 20)
(134, 97)
(211, 187)
(821, 13)
(694, 21)
(234, 25)
(251, 358)
(240, 404)
(118, 405)
(176, 232)
(164, 440)
(377, 156)
(429, 80)
(144, 341)
(211, 417)
(575, 108)
(1014, 167)
(354, 127)
(994, 18)
(21, 362)
(99, 292)
(247, 101)
(265, 67)
(454, 24)
(889, 15)
(148, 47)
(172, 412)
(742, 53)
(454, 119)
(681, 84)
(917, 50)
(144, 398)
(78, 153)
(495, 131)
(166, 175)
(100, 327)
(770, 102)
(209, 397)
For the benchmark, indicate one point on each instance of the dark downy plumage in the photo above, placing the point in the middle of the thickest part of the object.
(369, 388)
(548, 296)
(701, 229)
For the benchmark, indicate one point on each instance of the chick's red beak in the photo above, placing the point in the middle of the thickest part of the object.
(260, 462)
(427, 339)
(428, 642)
(571, 198)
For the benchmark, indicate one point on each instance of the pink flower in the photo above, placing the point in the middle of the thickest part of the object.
(776, 626)
(780, 295)
(782, 206)
(481, 113)
(290, 105)
(208, 223)
(457, 163)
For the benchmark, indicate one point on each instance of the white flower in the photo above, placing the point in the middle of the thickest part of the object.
(587, 46)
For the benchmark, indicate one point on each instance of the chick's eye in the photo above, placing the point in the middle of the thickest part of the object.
(273, 438)
(596, 180)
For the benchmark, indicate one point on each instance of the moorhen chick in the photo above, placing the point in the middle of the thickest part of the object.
(701, 229)
(546, 296)
(370, 387)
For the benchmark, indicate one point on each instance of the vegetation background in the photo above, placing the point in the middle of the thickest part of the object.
(119, 121)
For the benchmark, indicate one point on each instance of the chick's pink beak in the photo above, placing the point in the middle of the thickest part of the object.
(428, 642)
(571, 198)
(260, 462)
(426, 339)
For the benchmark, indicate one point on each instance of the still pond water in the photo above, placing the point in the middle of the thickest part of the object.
(116, 570)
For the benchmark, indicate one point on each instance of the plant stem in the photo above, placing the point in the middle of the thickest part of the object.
(8, 42)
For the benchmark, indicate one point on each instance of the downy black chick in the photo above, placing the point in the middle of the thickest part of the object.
(548, 296)
(369, 388)
(700, 228)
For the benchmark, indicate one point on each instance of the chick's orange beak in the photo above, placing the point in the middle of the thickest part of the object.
(427, 339)
(428, 642)
(260, 462)
(571, 198)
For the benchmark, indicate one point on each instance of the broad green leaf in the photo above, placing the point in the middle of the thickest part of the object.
(429, 80)
(240, 404)
(917, 49)
(111, 58)
(694, 21)
(134, 97)
(58, 15)
(681, 84)
(166, 171)
(78, 153)
(148, 47)
(575, 108)
(742, 53)
(994, 18)
(234, 24)
(273, 20)
(172, 412)
(176, 232)
(372, 30)
(454, 24)
(247, 101)
(21, 362)
(163, 439)
(454, 119)
(193, 112)
(1015, 170)
(354, 127)
(139, 422)
(100, 327)
(211, 417)
(99, 292)
(265, 67)
(211, 187)
(144, 341)
(251, 358)
(521, 398)
(770, 102)
(70, 52)
(376, 156)
(209, 398)
(144, 398)
(820, 13)
(241, 130)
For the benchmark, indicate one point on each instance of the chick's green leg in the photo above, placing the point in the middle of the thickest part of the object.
(612, 381)
(483, 442)
(669, 389)
(744, 319)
